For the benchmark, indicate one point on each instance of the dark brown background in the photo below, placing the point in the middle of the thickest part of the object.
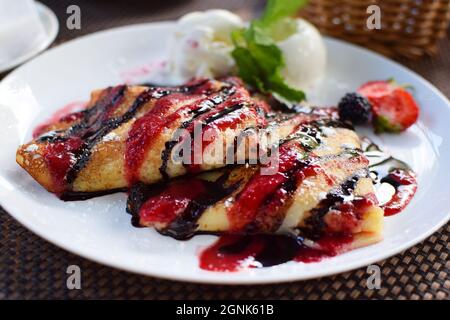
(32, 268)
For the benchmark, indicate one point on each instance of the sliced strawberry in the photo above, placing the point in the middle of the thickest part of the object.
(376, 89)
(394, 108)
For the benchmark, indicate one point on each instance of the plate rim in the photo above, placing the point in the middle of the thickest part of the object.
(197, 278)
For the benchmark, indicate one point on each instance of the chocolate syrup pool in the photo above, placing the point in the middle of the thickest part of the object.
(395, 182)
(236, 252)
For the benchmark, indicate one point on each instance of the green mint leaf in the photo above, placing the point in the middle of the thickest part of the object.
(382, 124)
(266, 54)
(280, 87)
(238, 38)
(258, 58)
(279, 9)
(282, 29)
(248, 68)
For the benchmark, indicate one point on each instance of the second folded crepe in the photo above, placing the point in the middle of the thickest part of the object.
(320, 187)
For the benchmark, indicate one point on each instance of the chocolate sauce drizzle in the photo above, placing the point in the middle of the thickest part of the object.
(79, 196)
(90, 117)
(315, 225)
(84, 153)
(261, 223)
(204, 107)
(277, 249)
(95, 124)
(183, 227)
(381, 163)
(138, 194)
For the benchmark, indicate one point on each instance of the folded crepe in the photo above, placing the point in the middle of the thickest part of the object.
(321, 187)
(127, 133)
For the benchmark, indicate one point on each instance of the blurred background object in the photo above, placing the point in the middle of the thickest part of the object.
(409, 28)
(104, 14)
(20, 28)
(26, 28)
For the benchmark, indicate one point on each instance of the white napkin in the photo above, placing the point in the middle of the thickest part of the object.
(20, 28)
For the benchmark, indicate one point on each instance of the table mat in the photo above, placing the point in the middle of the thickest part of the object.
(32, 268)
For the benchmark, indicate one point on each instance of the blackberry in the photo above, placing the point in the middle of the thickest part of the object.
(355, 108)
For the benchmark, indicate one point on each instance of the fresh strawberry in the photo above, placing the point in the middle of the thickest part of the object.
(394, 108)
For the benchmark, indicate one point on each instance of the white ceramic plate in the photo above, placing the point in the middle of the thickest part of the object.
(99, 229)
(51, 27)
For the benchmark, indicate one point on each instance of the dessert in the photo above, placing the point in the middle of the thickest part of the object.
(236, 157)
(320, 194)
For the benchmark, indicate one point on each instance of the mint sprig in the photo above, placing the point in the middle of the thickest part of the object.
(279, 9)
(258, 58)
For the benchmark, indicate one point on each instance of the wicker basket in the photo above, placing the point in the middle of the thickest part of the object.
(409, 28)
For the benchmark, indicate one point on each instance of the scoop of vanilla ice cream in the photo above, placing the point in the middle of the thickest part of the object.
(305, 56)
(202, 45)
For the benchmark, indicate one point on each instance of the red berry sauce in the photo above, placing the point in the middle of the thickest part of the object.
(405, 184)
(232, 253)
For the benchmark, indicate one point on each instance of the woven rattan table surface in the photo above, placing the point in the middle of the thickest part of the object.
(32, 268)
